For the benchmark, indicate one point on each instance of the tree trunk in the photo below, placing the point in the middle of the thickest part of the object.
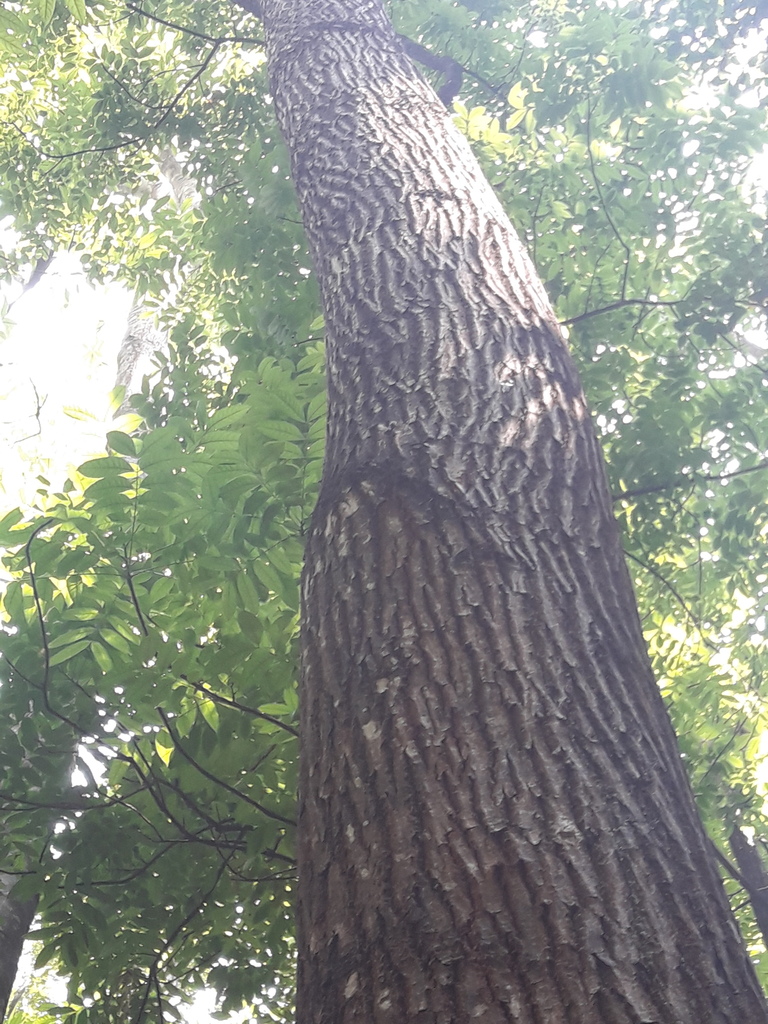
(15, 920)
(495, 824)
(753, 875)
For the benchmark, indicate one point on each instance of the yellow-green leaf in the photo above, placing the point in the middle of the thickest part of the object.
(164, 747)
(210, 713)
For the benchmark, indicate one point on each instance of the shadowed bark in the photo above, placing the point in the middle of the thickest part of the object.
(15, 921)
(495, 824)
(754, 876)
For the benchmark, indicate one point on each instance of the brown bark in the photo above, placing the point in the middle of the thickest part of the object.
(753, 875)
(495, 825)
(15, 921)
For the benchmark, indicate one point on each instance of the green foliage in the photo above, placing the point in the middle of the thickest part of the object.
(176, 715)
(31, 1002)
(151, 612)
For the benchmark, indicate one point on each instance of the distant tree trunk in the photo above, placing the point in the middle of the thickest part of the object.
(753, 875)
(140, 342)
(495, 824)
(15, 920)
(143, 338)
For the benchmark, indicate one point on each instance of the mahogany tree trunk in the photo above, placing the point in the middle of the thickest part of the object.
(495, 824)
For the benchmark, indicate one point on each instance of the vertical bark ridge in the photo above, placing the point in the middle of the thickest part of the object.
(476, 811)
(495, 825)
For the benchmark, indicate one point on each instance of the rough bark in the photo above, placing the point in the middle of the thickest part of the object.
(15, 920)
(753, 875)
(140, 341)
(495, 825)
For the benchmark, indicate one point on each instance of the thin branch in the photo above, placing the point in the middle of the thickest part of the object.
(604, 205)
(690, 478)
(727, 746)
(39, 403)
(675, 593)
(619, 304)
(36, 595)
(220, 782)
(134, 598)
(191, 31)
(134, 99)
(34, 278)
(442, 63)
(136, 140)
(732, 871)
(133, 875)
(11, 802)
(159, 999)
(45, 685)
(218, 699)
(164, 953)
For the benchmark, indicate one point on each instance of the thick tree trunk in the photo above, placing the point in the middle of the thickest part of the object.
(15, 920)
(495, 825)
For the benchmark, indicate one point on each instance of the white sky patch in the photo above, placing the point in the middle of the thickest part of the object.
(58, 362)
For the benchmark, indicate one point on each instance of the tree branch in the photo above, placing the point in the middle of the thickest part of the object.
(619, 304)
(218, 699)
(191, 31)
(136, 140)
(442, 63)
(220, 782)
(689, 478)
(675, 593)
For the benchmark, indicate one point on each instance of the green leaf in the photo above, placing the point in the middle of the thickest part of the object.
(102, 657)
(67, 653)
(69, 637)
(114, 639)
(514, 119)
(7, 524)
(46, 10)
(280, 430)
(11, 22)
(46, 954)
(98, 469)
(74, 412)
(210, 713)
(121, 443)
(77, 9)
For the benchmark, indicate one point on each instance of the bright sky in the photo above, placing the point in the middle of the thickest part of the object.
(58, 353)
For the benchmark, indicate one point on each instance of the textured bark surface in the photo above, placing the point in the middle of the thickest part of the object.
(753, 876)
(495, 825)
(15, 920)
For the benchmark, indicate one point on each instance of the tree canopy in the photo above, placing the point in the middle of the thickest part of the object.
(149, 644)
